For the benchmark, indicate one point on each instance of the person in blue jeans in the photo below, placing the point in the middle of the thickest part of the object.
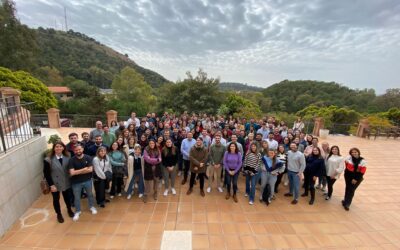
(135, 171)
(232, 165)
(252, 164)
(81, 168)
(296, 163)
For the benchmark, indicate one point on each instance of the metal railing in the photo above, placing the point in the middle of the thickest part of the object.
(15, 127)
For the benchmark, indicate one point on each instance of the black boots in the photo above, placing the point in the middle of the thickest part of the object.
(312, 197)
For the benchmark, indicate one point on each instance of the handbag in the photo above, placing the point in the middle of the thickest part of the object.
(44, 186)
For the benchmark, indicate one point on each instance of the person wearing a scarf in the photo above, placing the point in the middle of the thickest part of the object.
(353, 175)
(198, 156)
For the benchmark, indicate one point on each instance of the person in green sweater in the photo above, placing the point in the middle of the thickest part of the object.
(215, 160)
(107, 136)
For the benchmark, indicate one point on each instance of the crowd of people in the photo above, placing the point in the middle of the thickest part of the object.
(144, 154)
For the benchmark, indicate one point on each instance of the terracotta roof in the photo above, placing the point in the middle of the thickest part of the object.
(59, 89)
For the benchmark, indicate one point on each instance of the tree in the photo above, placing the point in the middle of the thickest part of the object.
(51, 76)
(18, 47)
(130, 88)
(198, 94)
(391, 99)
(235, 103)
(32, 89)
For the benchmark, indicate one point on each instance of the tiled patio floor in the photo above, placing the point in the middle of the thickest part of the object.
(373, 221)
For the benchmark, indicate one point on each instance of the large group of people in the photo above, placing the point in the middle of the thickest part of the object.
(148, 153)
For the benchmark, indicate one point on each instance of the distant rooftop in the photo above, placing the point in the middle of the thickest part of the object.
(59, 89)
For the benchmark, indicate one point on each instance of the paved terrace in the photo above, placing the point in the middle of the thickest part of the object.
(373, 221)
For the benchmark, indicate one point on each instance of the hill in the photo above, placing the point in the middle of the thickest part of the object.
(82, 57)
(227, 86)
(292, 96)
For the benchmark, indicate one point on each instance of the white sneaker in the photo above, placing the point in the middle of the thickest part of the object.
(111, 196)
(179, 173)
(251, 202)
(76, 216)
(246, 195)
(208, 189)
(140, 195)
(173, 191)
(166, 192)
(119, 195)
(94, 210)
(129, 197)
(220, 189)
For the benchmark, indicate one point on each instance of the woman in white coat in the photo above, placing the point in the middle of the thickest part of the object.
(334, 168)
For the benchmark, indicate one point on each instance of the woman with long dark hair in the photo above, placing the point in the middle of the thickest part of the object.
(252, 164)
(232, 165)
(282, 156)
(353, 175)
(55, 170)
(169, 160)
(152, 169)
(118, 164)
(315, 166)
(102, 174)
(334, 168)
(132, 130)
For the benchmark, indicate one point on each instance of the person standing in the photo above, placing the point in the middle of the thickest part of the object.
(108, 137)
(273, 167)
(81, 168)
(73, 141)
(252, 170)
(334, 168)
(198, 158)
(186, 146)
(282, 156)
(55, 171)
(169, 160)
(152, 169)
(273, 144)
(296, 164)
(353, 175)
(135, 171)
(118, 164)
(315, 166)
(232, 165)
(216, 161)
(97, 131)
(102, 175)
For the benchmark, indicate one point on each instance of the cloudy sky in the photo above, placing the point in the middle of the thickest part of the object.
(260, 42)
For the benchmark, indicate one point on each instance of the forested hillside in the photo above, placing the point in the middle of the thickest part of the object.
(292, 96)
(234, 86)
(77, 55)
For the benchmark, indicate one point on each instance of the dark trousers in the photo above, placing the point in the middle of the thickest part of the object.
(186, 167)
(309, 184)
(350, 190)
(231, 180)
(278, 181)
(180, 162)
(100, 188)
(116, 184)
(330, 181)
(67, 195)
(200, 177)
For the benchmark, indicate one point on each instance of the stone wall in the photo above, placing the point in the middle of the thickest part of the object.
(21, 170)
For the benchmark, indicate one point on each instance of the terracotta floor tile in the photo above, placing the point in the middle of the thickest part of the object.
(310, 241)
(232, 242)
(199, 218)
(279, 241)
(76, 241)
(16, 239)
(294, 241)
(101, 241)
(249, 242)
(214, 228)
(125, 228)
(272, 228)
(140, 229)
(32, 240)
(200, 242)
(265, 242)
(217, 242)
(286, 228)
(49, 241)
(229, 228)
(135, 242)
(200, 228)
(155, 228)
(118, 242)
(152, 242)
(109, 228)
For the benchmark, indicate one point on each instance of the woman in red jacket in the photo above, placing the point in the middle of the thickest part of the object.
(353, 175)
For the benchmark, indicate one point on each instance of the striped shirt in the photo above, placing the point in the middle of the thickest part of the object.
(252, 162)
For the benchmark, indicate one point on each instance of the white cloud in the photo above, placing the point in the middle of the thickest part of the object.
(260, 42)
